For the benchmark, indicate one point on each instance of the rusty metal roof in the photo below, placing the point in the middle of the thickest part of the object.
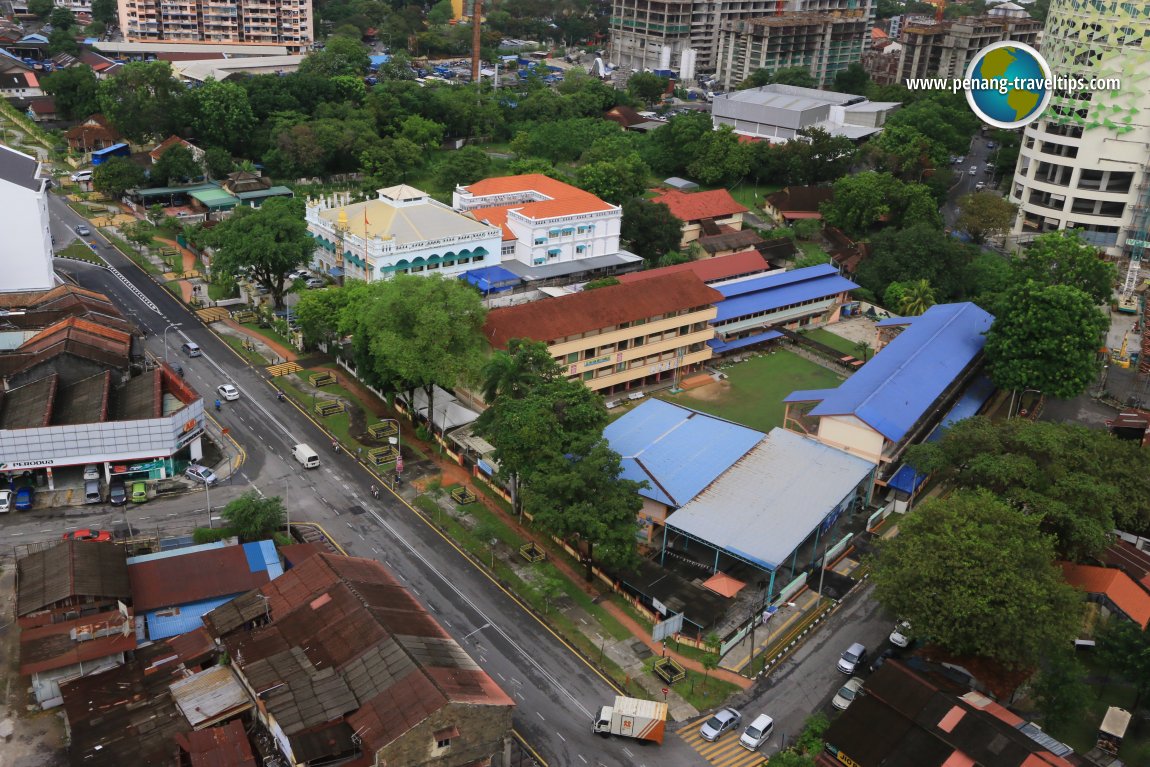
(192, 577)
(210, 696)
(70, 569)
(223, 746)
(51, 646)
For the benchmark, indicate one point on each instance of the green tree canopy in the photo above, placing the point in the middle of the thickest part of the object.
(650, 229)
(1045, 338)
(143, 100)
(220, 114)
(864, 200)
(985, 214)
(918, 252)
(615, 181)
(105, 11)
(75, 89)
(116, 176)
(512, 373)
(647, 87)
(1064, 258)
(339, 56)
(254, 518)
(464, 166)
(1080, 483)
(177, 164)
(977, 576)
(717, 156)
(269, 241)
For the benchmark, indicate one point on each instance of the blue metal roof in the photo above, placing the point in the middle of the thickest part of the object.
(171, 621)
(907, 479)
(678, 451)
(774, 291)
(109, 150)
(892, 391)
(720, 346)
(263, 557)
(492, 279)
(176, 552)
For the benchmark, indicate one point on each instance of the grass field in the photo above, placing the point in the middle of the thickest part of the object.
(754, 390)
(844, 345)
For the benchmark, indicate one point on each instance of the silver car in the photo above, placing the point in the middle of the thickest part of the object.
(201, 474)
(851, 658)
(723, 721)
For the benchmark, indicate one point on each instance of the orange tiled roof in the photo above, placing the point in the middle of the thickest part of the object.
(554, 318)
(695, 206)
(562, 199)
(495, 216)
(708, 269)
(1118, 587)
(877, 34)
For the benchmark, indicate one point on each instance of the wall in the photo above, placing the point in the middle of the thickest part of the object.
(851, 435)
(26, 244)
(483, 733)
(599, 236)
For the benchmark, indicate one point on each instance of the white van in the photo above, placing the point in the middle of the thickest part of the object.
(307, 457)
(82, 175)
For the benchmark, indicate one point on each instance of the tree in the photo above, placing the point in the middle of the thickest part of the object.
(854, 79)
(917, 298)
(1080, 483)
(41, 8)
(340, 56)
(985, 214)
(220, 114)
(74, 89)
(918, 252)
(62, 40)
(718, 156)
(1123, 646)
(512, 373)
(105, 12)
(254, 518)
(440, 13)
(976, 575)
(425, 134)
(797, 76)
(116, 176)
(142, 100)
(176, 165)
(650, 229)
(860, 201)
(647, 87)
(62, 18)
(562, 140)
(218, 162)
(139, 233)
(1046, 338)
(1064, 258)
(580, 494)
(320, 312)
(464, 166)
(1061, 690)
(269, 241)
(615, 181)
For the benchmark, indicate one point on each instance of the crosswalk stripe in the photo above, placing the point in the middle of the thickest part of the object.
(725, 752)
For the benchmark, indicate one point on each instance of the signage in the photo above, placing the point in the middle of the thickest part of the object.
(840, 756)
(596, 361)
(27, 464)
(399, 465)
(662, 608)
(1138, 243)
(666, 690)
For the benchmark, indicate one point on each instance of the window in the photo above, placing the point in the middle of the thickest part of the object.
(572, 358)
(590, 374)
(443, 743)
(580, 248)
(540, 240)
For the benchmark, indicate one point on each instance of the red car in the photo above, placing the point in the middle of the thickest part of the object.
(88, 535)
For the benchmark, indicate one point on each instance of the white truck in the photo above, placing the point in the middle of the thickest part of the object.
(632, 718)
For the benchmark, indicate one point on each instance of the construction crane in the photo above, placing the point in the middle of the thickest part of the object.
(1120, 357)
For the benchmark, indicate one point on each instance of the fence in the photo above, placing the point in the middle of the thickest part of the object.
(328, 407)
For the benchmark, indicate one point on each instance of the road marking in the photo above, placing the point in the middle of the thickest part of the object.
(628, 753)
(45, 531)
(373, 548)
(501, 676)
(561, 736)
(540, 716)
(581, 758)
(361, 537)
(482, 658)
(349, 525)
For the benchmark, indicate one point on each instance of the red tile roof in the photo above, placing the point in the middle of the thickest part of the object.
(708, 269)
(167, 144)
(192, 577)
(495, 216)
(553, 198)
(695, 206)
(553, 318)
(45, 105)
(1118, 587)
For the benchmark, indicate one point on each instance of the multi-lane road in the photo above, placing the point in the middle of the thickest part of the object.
(556, 691)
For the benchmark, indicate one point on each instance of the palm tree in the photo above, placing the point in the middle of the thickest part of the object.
(919, 297)
(513, 372)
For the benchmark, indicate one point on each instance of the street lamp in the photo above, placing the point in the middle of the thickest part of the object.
(397, 440)
(169, 327)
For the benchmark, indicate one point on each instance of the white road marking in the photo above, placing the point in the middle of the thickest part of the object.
(561, 736)
(540, 716)
(581, 758)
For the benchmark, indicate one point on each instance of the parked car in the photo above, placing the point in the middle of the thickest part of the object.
(886, 655)
(83, 231)
(900, 637)
(973, 169)
(85, 534)
(851, 658)
(24, 498)
(723, 721)
(228, 392)
(201, 474)
(316, 282)
(960, 159)
(92, 492)
(990, 145)
(117, 494)
(757, 733)
(5, 501)
(91, 471)
(847, 693)
(139, 492)
(979, 186)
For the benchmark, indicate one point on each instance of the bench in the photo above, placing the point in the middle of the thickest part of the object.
(611, 404)
(322, 379)
(636, 395)
(328, 407)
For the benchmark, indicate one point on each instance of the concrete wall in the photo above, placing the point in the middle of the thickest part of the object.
(26, 243)
(483, 732)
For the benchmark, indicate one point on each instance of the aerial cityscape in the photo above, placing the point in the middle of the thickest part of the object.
(628, 383)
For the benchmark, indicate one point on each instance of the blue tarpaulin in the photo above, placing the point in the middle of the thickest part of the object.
(492, 279)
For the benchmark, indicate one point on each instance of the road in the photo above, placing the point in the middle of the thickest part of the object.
(964, 183)
(555, 690)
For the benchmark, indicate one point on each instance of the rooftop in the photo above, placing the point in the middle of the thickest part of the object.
(695, 206)
(765, 505)
(775, 291)
(536, 197)
(408, 217)
(168, 581)
(80, 640)
(1119, 588)
(896, 387)
(801, 198)
(70, 569)
(677, 451)
(791, 97)
(709, 270)
(20, 169)
(556, 318)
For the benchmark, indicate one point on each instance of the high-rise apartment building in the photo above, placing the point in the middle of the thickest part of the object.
(1086, 163)
(248, 22)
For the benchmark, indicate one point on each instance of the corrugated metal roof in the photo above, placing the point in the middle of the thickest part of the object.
(210, 695)
(172, 621)
(773, 498)
(678, 451)
(70, 569)
(203, 575)
(177, 552)
(721, 347)
(223, 746)
(778, 290)
(51, 646)
(893, 391)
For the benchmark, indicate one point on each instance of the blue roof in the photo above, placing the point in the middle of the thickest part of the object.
(907, 479)
(171, 621)
(109, 150)
(720, 346)
(492, 279)
(378, 59)
(774, 291)
(678, 451)
(893, 391)
(262, 556)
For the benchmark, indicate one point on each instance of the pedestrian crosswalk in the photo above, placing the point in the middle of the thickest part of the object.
(725, 752)
(284, 368)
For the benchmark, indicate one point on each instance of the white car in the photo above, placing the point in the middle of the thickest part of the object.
(723, 721)
(5, 501)
(973, 170)
(201, 474)
(851, 658)
(757, 733)
(847, 693)
(900, 637)
(316, 282)
(91, 471)
(228, 392)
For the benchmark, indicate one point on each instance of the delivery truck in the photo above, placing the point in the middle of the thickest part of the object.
(633, 718)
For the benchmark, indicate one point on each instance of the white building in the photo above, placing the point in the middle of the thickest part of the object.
(1086, 163)
(549, 229)
(778, 112)
(403, 231)
(26, 245)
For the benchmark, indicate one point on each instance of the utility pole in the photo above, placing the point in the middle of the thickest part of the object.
(476, 39)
